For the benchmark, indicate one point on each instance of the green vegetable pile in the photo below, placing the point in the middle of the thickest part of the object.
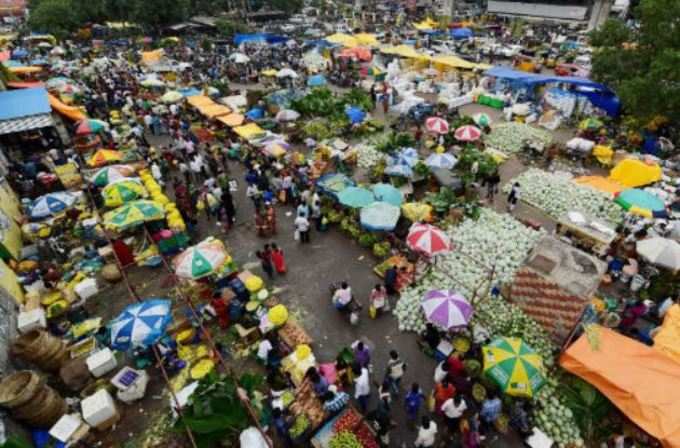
(345, 439)
(300, 425)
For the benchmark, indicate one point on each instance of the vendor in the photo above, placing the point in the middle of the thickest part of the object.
(334, 401)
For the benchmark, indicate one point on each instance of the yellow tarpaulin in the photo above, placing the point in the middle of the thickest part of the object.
(600, 183)
(9, 282)
(214, 110)
(342, 39)
(25, 70)
(248, 131)
(71, 112)
(603, 154)
(667, 340)
(639, 380)
(199, 101)
(269, 72)
(405, 51)
(635, 173)
(232, 120)
(453, 61)
(427, 24)
(366, 39)
(152, 57)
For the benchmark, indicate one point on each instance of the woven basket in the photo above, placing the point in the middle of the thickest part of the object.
(111, 273)
(19, 388)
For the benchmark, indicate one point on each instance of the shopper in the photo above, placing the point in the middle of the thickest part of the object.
(427, 433)
(453, 410)
(302, 228)
(377, 300)
(395, 371)
(513, 196)
(362, 386)
(278, 259)
(414, 401)
(265, 257)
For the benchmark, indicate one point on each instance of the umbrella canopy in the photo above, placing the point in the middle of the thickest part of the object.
(355, 197)
(399, 169)
(286, 73)
(407, 156)
(379, 216)
(255, 113)
(121, 192)
(110, 174)
(239, 58)
(172, 96)
(334, 183)
(437, 125)
(355, 114)
(388, 193)
(446, 309)
(51, 204)
(104, 156)
(201, 260)
(428, 239)
(640, 202)
(416, 211)
(287, 115)
(152, 82)
(482, 119)
(140, 325)
(90, 126)
(444, 160)
(591, 124)
(467, 133)
(514, 366)
(662, 252)
(316, 81)
(133, 214)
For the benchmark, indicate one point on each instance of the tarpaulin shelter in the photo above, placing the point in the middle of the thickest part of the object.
(24, 110)
(214, 110)
(461, 33)
(152, 57)
(639, 380)
(264, 38)
(600, 183)
(598, 94)
(405, 51)
(667, 340)
(249, 131)
(342, 39)
(635, 173)
(199, 101)
(232, 120)
(366, 39)
(427, 24)
(71, 112)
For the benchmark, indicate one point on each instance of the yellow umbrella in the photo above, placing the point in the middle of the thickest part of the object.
(118, 193)
(514, 366)
(134, 213)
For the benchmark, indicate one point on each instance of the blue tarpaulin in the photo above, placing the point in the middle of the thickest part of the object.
(190, 91)
(255, 113)
(461, 33)
(23, 103)
(259, 37)
(598, 94)
(355, 114)
(316, 81)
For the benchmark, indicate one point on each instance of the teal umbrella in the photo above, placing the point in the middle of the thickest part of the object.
(388, 193)
(355, 197)
(379, 216)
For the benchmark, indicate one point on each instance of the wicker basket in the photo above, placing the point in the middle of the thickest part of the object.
(19, 388)
(111, 273)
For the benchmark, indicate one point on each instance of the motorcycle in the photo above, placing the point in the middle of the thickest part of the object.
(352, 308)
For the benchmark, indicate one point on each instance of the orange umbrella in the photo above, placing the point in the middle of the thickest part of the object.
(104, 156)
(360, 53)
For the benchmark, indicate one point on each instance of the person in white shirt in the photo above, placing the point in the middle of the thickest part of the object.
(263, 349)
(342, 296)
(362, 386)
(173, 109)
(453, 409)
(441, 372)
(427, 433)
(302, 227)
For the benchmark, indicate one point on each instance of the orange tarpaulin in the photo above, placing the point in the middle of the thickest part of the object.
(639, 380)
(199, 101)
(232, 120)
(600, 183)
(214, 110)
(360, 53)
(70, 112)
(667, 340)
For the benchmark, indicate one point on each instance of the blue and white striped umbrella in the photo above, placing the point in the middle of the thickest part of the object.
(380, 216)
(444, 160)
(407, 156)
(399, 170)
(141, 324)
(51, 204)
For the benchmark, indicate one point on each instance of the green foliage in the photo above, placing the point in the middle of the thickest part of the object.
(643, 72)
(421, 169)
(318, 130)
(14, 441)
(486, 165)
(589, 407)
(394, 141)
(228, 28)
(442, 200)
(367, 240)
(359, 98)
(56, 17)
(382, 250)
(155, 14)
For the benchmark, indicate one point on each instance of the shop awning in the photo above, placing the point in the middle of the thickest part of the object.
(342, 39)
(232, 120)
(405, 51)
(199, 101)
(23, 110)
(640, 380)
(248, 131)
(214, 110)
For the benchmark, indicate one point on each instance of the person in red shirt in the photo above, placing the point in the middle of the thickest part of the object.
(442, 392)
(456, 367)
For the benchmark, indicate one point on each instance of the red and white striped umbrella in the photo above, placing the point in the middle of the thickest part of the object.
(468, 133)
(437, 125)
(428, 239)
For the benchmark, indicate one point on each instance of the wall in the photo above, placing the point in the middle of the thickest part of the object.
(560, 12)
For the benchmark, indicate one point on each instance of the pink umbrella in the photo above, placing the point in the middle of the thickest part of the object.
(437, 125)
(446, 309)
(468, 133)
(428, 239)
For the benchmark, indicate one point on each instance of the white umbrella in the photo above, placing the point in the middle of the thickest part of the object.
(286, 73)
(287, 115)
(239, 58)
(661, 252)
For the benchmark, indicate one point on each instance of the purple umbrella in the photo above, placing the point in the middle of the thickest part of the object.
(446, 308)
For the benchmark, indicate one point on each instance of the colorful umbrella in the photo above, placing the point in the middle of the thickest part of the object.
(172, 96)
(641, 202)
(110, 174)
(428, 239)
(140, 325)
(416, 211)
(334, 183)
(437, 125)
(90, 126)
(51, 204)
(379, 216)
(287, 115)
(661, 252)
(121, 192)
(104, 157)
(355, 197)
(407, 156)
(388, 193)
(399, 170)
(133, 214)
(482, 119)
(444, 160)
(514, 366)
(591, 124)
(201, 260)
(446, 308)
(467, 133)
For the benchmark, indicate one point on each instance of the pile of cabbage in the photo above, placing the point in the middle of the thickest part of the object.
(493, 241)
(556, 195)
(510, 137)
(367, 155)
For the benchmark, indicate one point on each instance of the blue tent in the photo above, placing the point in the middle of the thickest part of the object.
(355, 114)
(316, 81)
(255, 113)
(19, 53)
(461, 33)
(598, 94)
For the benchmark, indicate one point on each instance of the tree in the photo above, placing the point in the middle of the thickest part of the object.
(155, 14)
(56, 17)
(640, 65)
(228, 28)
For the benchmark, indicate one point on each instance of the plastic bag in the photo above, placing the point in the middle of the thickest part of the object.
(372, 312)
(296, 235)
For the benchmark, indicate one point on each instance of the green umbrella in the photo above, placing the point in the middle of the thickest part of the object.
(514, 366)
(133, 214)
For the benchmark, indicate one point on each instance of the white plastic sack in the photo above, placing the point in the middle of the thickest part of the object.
(252, 438)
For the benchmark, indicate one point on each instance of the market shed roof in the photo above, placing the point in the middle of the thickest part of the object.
(23, 103)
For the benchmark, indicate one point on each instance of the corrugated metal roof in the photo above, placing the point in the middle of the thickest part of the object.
(23, 103)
